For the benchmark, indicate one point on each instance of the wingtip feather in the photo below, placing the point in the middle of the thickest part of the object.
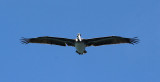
(24, 40)
(134, 40)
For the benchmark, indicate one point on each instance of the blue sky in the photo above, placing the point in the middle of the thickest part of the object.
(91, 18)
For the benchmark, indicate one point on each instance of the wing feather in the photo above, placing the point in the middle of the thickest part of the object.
(110, 40)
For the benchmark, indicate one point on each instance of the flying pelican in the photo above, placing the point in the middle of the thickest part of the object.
(79, 43)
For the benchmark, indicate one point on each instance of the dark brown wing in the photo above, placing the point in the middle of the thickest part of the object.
(109, 40)
(49, 40)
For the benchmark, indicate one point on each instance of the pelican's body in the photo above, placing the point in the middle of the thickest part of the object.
(79, 43)
(80, 47)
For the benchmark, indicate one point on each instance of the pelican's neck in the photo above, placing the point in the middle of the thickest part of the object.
(79, 37)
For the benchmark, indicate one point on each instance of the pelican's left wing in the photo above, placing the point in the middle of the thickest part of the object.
(109, 40)
(49, 40)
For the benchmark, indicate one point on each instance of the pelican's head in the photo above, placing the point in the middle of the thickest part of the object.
(78, 35)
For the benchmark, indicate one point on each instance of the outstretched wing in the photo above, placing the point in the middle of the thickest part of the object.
(49, 40)
(109, 40)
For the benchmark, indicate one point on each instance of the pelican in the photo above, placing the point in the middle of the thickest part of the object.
(79, 43)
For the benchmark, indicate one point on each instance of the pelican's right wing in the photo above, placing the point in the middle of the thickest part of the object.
(49, 40)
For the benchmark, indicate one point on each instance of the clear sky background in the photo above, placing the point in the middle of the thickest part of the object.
(91, 18)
